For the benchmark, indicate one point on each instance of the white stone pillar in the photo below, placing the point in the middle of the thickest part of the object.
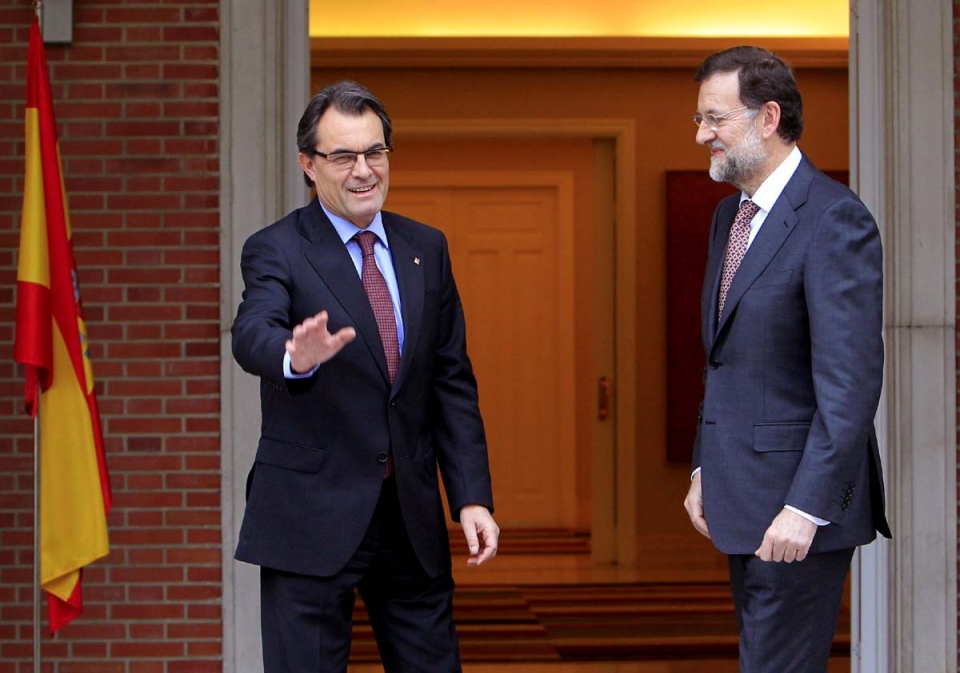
(902, 131)
(264, 87)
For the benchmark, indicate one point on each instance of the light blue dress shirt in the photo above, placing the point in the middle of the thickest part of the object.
(346, 230)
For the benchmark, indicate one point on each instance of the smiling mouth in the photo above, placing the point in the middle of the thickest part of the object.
(362, 190)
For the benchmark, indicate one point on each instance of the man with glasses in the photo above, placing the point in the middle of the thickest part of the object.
(786, 471)
(351, 319)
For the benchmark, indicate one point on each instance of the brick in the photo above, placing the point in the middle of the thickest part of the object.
(152, 53)
(143, 15)
(200, 52)
(147, 631)
(204, 536)
(190, 71)
(147, 649)
(144, 349)
(146, 71)
(142, 34)
(149, 89)
(91, 667)
(85, 71)
(185, 33)
(193, 367)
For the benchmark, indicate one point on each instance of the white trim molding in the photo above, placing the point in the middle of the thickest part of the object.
(902, 163)
(264, 85)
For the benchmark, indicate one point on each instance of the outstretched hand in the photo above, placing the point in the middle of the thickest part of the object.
(312, 344)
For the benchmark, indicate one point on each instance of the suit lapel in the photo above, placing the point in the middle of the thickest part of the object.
(327, 254)
(724, 220)
(408, 264)
(775, 230)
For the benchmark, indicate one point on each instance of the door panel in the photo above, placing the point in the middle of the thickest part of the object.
(507, 244)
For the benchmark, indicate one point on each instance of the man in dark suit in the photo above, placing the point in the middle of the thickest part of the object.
(351, 319)
(787, 478)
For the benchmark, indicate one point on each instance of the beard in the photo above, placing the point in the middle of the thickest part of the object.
(738, 162)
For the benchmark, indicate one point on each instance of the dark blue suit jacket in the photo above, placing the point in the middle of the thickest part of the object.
(314, 486)
(794, 371)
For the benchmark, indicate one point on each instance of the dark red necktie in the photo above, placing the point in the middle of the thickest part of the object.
(378, 294)
(736, 248)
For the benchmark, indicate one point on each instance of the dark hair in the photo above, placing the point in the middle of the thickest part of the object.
(346, 97)
(763, 77)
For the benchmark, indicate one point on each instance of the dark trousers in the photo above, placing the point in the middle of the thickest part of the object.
(787, 613)
(306, 621)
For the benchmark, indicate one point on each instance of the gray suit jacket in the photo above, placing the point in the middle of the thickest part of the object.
(794, 371)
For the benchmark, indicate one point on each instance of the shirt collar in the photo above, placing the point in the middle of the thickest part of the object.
(347, 230)
(776, 182)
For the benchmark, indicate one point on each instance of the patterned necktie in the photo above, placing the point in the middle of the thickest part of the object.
(736, 248)
(378, 294)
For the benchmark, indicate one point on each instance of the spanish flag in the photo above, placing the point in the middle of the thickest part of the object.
(51, 341)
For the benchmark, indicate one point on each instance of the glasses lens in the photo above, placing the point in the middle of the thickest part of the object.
(376, 157)
(697, 120)
(343, 159)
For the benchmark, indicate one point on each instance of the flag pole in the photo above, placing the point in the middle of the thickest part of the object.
(37, 663)
(36, 536)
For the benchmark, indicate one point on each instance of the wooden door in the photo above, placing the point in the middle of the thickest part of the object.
(511, 241)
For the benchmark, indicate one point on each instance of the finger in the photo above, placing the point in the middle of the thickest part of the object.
(344, 336)
(490, 547)
(765, 550)
(789, 555)
(472, 544)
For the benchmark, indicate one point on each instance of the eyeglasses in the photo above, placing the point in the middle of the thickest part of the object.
(715, 121)
(344, 160)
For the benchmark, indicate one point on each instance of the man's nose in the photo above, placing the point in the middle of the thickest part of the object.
(361, 167)
(705, 134)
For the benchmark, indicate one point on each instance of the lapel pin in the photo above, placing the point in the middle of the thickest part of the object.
(416, 260)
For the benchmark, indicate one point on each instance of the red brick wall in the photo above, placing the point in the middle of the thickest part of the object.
(136, 97)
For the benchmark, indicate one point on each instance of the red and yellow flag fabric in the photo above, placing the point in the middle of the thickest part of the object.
(51, 341)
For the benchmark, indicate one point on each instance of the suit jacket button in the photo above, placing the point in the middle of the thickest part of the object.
(714, 364)
(382, 457)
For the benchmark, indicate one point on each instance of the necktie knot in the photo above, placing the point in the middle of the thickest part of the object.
(366, 239)
(747, 210)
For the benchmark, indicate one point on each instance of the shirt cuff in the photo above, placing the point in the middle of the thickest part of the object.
(288, 372)
(808, 517)
(694, 473)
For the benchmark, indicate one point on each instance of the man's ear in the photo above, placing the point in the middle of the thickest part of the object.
(308, 165)
(770, 116)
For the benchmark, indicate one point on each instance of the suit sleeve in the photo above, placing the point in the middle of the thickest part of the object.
(843, 287)
(458, 428)
(263, 323)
